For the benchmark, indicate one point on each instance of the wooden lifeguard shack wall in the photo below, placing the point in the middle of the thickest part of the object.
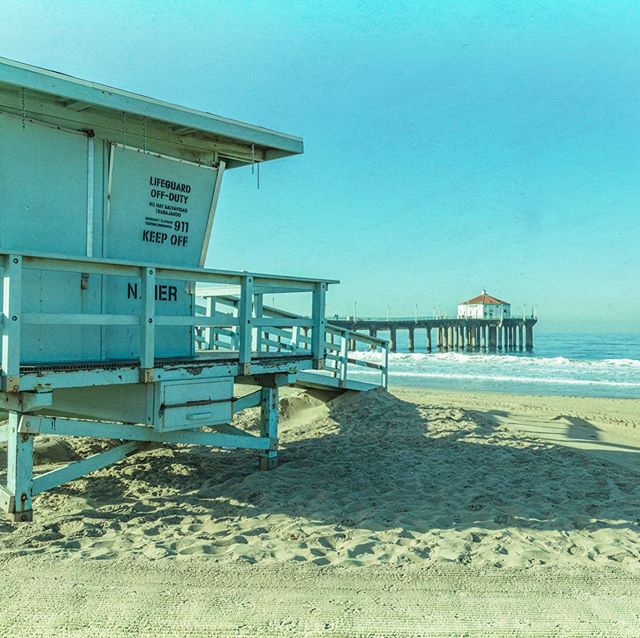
(87, 170)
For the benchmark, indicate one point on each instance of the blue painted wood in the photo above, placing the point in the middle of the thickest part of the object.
(271, 143)
(318, 330)
(245, 322)
(248, 401)
(49, 480)
(269, 426)
(7, 500)
(76, 427)
(147, 317)
(12, 318)
(19, 465)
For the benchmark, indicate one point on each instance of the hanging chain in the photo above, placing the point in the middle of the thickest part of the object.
(144, 134)
(23, 110)
(255, 166)
(124, 127)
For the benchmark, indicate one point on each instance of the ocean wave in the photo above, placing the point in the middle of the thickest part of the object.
(510, 379)
(495, 359)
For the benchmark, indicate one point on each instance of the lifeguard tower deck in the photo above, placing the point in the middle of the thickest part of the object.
(111, 325)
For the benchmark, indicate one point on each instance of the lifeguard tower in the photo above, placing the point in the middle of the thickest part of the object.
(107, 203)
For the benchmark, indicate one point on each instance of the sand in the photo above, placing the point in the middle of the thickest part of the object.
(446, 503)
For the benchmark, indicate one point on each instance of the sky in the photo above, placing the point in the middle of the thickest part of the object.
(450, 147)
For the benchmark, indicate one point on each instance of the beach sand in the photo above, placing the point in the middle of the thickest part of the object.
(413, 512)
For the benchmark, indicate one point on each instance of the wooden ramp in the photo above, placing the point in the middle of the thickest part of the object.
(324, 382)
(353, 360)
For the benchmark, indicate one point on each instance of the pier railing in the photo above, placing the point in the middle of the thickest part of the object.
(422, 318)
(286, 332)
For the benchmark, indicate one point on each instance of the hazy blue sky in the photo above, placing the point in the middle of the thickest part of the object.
(450, 146)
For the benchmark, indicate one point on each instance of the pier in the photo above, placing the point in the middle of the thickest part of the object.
(444, 335)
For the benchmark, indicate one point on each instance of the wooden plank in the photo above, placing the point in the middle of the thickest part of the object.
(245, 324)
(137, 433)
(12, 312)
(6, 500)
(217, 320)
(80, 319)
(147, 325)
(75, 470)
(19, 465)
(325, 382)
(283, 322)
(269, 426)
(318, 329)
(248, 401)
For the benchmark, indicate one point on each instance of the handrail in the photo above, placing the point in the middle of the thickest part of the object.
(339, 363)
(72, 263)
(414, 319)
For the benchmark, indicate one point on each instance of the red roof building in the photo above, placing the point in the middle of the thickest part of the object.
(484, 306)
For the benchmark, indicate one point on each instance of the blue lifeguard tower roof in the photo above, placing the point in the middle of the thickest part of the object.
(83, 95)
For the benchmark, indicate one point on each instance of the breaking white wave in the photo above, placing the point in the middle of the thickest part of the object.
(582, 366)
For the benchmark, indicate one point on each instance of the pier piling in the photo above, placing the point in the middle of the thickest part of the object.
(470, 335)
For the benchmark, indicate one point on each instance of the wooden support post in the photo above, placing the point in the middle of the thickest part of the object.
(269, 426)
(245, 324)
(11, 326)
(344, 355)
(258, 311)
(428, 339)
(147, 325)
(393, 339)
(295, 338)
(412, 343)
(439, 338)
(520, 339)
(499, 337)
(483, 341)
(212, 337)
(318, 330)
(19, 470)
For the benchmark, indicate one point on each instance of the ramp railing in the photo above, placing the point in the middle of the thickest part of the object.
(342, 369)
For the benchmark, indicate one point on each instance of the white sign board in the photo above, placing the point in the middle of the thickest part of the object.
(159, 208)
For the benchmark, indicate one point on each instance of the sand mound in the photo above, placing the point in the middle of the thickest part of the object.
(364, 479)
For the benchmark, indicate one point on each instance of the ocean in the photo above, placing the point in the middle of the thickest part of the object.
(588, 365)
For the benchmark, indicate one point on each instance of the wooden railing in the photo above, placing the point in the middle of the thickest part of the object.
(241, 328)
(286, 332)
